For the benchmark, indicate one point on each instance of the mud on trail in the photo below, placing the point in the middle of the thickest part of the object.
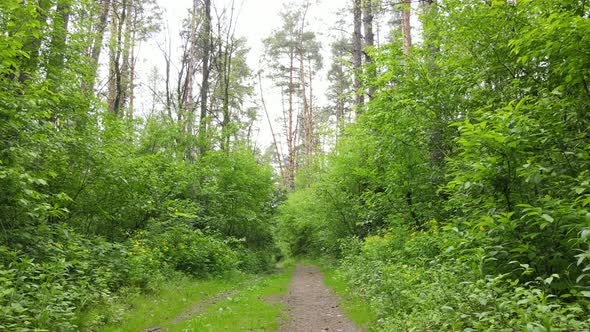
(312, 306)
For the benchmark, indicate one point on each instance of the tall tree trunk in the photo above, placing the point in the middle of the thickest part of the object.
(181, 85)
(406, 27)
(306, 115)
(307, 122)
(369, 38)
(205, 81)
(226, 116)
(357, 60)
(272, 132)
(168, 92)
(131, 83)
(226, 75)
(130, 36)
(116, 98)
(111, 83)
(188, 105)
(290, 133)
(126, 55)
(310, 124)
(226, 53)
(97, 39)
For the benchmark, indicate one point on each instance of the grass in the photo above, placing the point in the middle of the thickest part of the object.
(252, 309)
(136, 312)
(236, 302)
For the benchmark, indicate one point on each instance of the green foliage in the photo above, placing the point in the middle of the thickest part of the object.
(187, 250)
(298, 225)
(460, 195)
(257, 260)
(51, 273)
(506, 184)
(432, 281)
(92, 204)
(235, 193)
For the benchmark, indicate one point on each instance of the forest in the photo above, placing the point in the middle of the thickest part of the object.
(441, 177)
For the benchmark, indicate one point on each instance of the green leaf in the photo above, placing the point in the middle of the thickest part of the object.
(547, 217)
(185, 215)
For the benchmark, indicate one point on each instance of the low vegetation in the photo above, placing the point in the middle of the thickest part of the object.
(159, 308)
(255, 307)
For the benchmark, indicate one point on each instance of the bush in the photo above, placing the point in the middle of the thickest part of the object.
(257, 261)
(433, 281)
(49, 273)
(187, 250)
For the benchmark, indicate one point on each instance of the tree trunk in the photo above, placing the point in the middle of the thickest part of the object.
(130, 36)
(116, 82)
(205, 80)
(290, 133)
(188, 105)
(168, 93)
(226, 74)
(406, 28)
(310, 124)
(357, 60)
(369, 40)
(111, 84)
(94, 53)
(306, 115)
(274, 139)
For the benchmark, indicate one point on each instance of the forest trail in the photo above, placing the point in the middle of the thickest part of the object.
(312, 306)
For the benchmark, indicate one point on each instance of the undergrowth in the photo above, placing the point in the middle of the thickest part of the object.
(136, 311)
(434, 281)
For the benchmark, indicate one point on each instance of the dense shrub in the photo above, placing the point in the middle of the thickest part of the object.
(433, 281)
(188, 250)
(49, 273)
(257, 261)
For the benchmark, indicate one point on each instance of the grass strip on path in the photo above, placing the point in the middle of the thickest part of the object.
(252, 309)
(173, 299)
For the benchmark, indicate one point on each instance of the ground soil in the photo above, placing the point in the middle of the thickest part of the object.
(312, 306)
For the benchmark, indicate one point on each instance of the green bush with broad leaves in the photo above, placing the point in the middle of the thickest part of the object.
(435, 280)
(50, 273)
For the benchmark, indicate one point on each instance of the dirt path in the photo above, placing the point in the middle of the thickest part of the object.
(312, 306)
